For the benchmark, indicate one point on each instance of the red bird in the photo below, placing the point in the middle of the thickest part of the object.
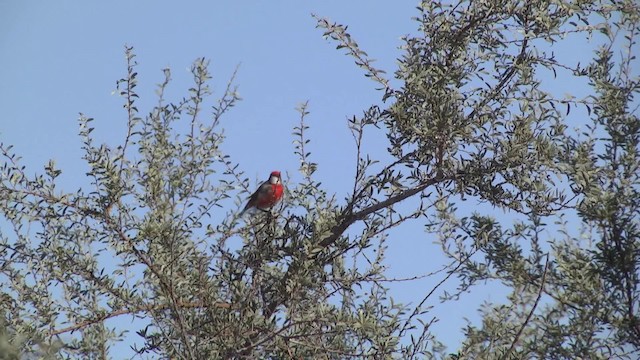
(267, 195)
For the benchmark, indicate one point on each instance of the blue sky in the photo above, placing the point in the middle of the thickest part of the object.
(62, 57)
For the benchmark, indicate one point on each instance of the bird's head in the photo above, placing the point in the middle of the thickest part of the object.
(275, 178)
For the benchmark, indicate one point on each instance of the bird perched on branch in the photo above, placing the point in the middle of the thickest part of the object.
(267, 195)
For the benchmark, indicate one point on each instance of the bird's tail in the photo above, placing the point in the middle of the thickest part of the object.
(247, 207)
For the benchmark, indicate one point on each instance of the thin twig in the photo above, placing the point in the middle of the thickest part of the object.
(535, 305)
(417, 308)
(84, 324)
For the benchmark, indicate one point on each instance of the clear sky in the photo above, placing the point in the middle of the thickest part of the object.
(60, 58)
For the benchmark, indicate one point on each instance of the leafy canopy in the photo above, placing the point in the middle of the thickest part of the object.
(474, 119)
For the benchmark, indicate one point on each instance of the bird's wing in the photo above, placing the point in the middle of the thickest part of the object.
(264, 189)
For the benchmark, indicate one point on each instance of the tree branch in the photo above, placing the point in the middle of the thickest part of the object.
(349, 219)
(535, 305)
(84, 324)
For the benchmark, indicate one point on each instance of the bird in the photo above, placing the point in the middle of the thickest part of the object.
(267, 195)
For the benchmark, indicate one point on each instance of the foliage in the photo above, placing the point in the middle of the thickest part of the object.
(474, 118)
